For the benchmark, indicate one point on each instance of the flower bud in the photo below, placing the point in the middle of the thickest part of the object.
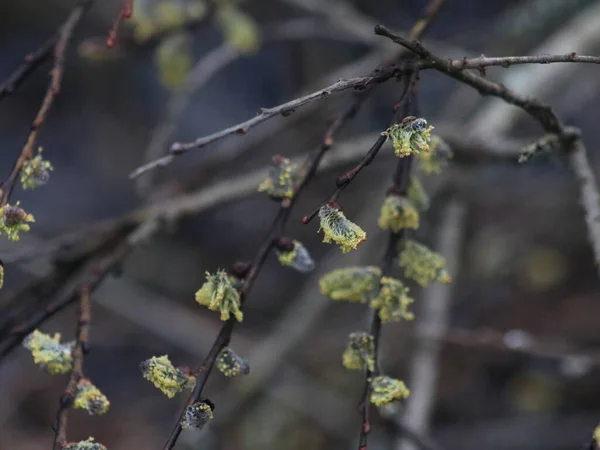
(298, 258)
(196, 416)
(232, 365)
(398, 213)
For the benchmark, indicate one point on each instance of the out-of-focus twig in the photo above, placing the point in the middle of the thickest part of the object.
(434, 312)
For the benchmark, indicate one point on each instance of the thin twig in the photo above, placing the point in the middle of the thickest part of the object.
(56, 74)
(81, 348)
(29, 66)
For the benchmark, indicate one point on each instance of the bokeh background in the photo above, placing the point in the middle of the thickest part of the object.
(504, 358)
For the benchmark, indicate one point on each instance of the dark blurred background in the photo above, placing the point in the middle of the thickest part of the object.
(517, 366)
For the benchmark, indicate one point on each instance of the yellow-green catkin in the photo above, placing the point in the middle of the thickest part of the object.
(13, 220)
(239, 29)
(232, 365)
(35, 172)
(298, 258)
(282, 178)
(433, 161)
(360, 352)
(393, 301)
(417, 195)
(90, 398)
(337, 228)
(169, 379)
(386, 390)
(196, 416)
(410, 137)
(398, 213)
(422, 264)
(174, 60)
(49, 353)
(352, 284)
(88, 444)
(219, 294)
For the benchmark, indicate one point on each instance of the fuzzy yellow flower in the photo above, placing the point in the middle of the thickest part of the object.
(90, 398)
(410, 137)
(386, 390)
(219, 294)
(353, 284)
(13, 220)
(360, 352)
(49, 353)
(35, 172)
(169, 379)
(337, 228)
(280, 182)
(431, 162)
(393, 301)
(88, 444)
(422, 264)
(398, 213)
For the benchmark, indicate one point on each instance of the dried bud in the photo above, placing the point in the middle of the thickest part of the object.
(422, 264)
(196, 416)
(13, 220)
(336, 228)
(398, 213)
(90, 398)
(220, 294)
(393, 301)
(410, 137)
(169, 379)
(437, 156)
(49, 353)
(298, 258)
(282, 178)
(88, 444)
(232, 365)
(360, 352)
(35, 172)
(353, 284)
(417, 195)
(386, 390)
